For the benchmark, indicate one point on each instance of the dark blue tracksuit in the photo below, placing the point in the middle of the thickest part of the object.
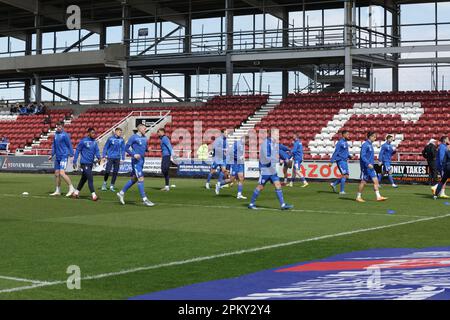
(113, 151)
(166, 153)
(88, 149)
(445, 167)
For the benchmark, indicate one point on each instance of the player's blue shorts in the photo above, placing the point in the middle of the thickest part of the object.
(284, 157)
(237, 168)
(343, 167)
(297, 164)
(61, 164)
(263, 179)
(387, 167)
(137, 167)
(217, 166)
(368, 174)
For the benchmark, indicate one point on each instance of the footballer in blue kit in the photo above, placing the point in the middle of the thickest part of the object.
(235, 162)
(384, 158)
(297, 154)
(285, 157)
(62, 150)
(340, 156)
(268, 160)
(89, 153)
(166, 157)
(219, 148)
(136, 148)
(114, 154)
(367, 160)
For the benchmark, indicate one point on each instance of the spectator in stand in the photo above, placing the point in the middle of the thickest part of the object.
(4, 143)
(39, 109)
(23, 110)
(48, 119)
(14, 109)
(31, 108)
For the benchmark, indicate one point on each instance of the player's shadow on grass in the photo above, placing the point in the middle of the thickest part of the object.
(345, 198)
(423, 195)
(226, 196)
(328, 192)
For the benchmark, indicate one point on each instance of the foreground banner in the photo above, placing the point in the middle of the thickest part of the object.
(25, 163)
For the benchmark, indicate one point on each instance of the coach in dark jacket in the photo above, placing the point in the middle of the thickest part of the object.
(429, 153)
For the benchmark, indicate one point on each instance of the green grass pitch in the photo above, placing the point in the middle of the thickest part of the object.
(191, 235)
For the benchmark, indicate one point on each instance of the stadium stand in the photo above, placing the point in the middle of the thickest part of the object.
(218, 113)
(100, 119)
(23, 130)
(412, 116)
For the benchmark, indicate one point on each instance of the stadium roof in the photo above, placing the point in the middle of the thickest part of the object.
(17, 16)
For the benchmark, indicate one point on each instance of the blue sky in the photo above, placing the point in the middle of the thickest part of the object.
(410, 79)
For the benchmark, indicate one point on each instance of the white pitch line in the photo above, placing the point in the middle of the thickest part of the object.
(226, 254)
(21, 279)
(226, 207)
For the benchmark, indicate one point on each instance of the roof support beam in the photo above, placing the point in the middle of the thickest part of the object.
(160, 87)
(57, 94)
(76, 43)
(159, 40)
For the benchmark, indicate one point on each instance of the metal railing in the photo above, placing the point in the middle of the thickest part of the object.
(309, 38)
(145, 113)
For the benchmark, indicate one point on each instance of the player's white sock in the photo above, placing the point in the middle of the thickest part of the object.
(121, 192)
(58, 190)
(378, 194)
(71, 188)
(93, 194)
(359, 195)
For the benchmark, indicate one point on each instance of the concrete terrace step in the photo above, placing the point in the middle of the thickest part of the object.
(252, 121)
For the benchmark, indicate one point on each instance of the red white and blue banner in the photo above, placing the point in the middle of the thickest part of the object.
(379, 274)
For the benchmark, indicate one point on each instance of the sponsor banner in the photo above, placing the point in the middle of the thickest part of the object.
(193, 168)
(311, 169)
(379, 274)
(151, 165)
(26, 163)
(148, 122)
(403, 172)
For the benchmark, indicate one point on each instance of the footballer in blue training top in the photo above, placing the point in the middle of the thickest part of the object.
(297, 154)
(166, 156)
(384, 158)
(89, 152)
(62, 150)
(341, 156)
(114, 154)
(367, 161)
(136, 148)
(268, 160)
